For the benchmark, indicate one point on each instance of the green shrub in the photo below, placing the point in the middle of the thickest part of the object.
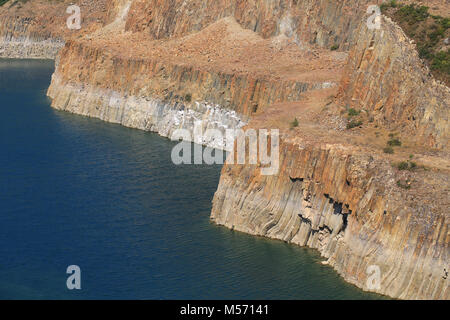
(413, 14)
(188, 97)
(334, 47)
(353, 124)
(388, 150)
(404, 165)
(391, 4)
(294, 123)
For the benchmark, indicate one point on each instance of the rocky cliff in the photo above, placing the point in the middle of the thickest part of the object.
(37, 29)
(322, 22)
(218, 76)
(338, 192)
(383, 77)
(162, 65)
(345, 201)
(17, 40)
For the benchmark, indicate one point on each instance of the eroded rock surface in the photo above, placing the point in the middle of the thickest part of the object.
(162, 65)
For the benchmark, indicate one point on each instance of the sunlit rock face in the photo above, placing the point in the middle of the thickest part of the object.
(162, 65)
(385, 76)
(344, 202)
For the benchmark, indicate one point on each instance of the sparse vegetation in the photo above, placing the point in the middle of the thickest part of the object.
(393, 142)
(388, 150)
(2, 2)
(334, 47)
(406, 185)
(406, 165)
(353, 113)
(294, 123)
(441, 62)
(354, 123)
(428, 31)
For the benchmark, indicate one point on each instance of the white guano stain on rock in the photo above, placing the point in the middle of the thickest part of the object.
(144, 113)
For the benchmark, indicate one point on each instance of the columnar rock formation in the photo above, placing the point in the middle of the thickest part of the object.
(384, 75)
(18, 41)
(162, 65)
(164, 86)
(37, 29)
(344, 202)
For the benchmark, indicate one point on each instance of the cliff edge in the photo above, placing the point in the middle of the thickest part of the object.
(364, 157)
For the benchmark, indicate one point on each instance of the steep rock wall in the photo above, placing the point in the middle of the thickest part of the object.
(38, 28)
(157, 95)
(345, 203)
(323, 22)
(17, 40)
(386, 77)
(84, 64)
(144, 112)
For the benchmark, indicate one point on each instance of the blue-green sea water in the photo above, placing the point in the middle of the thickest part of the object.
(79, 191)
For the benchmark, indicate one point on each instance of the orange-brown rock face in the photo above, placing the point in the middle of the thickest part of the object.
(344, 201)
(37, 29)
(164, 76)
(324, 22)
(155, 84)
(386, 78)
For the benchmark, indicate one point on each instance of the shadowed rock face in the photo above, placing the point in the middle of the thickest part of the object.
(154, 65)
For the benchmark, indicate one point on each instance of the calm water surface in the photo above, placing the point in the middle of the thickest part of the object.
(79, 191)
